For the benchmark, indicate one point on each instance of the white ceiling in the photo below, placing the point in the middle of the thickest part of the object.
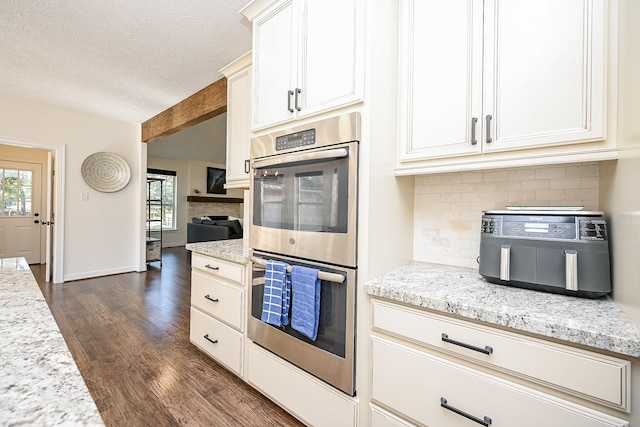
(125, 59)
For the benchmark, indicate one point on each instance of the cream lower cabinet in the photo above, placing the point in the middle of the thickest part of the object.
(218, 310)
(433, 370)
(301, 394)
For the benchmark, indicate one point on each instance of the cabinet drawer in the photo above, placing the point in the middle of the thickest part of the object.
(217, 340)
(415, 384)
(590, 375)
(218, 267)
(382, 418)
(221, 300)
(299, 393)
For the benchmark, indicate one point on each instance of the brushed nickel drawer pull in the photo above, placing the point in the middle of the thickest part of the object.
(474, 120)
(488, 124)
(206, 337)
(485, 421)
(486, 350)
(211, 299)
(297, 103)
(211, 267)
(289, 95)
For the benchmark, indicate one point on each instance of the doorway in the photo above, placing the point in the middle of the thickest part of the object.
(20, 209)
(50, 200)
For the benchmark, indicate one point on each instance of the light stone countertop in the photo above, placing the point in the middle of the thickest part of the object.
(597, 323)
(234, 250)
(40, 384)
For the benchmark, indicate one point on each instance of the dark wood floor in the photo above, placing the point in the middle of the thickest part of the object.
(129, 335)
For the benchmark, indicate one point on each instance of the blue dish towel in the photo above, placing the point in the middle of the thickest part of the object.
(277, 294)
(305, 305)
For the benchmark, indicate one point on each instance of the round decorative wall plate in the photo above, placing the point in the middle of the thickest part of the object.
(106, 172)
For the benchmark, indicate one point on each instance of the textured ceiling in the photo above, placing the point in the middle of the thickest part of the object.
(125, 59)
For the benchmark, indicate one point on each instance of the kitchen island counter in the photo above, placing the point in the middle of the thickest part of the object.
(39, 381)
(597, 323)
(234, 250)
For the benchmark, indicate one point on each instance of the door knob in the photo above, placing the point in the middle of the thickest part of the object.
(36, 221)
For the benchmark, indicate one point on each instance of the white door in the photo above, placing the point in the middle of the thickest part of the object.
(544, 75)
(238, 124)
(20, 204)
(331, 59)
(274, 64)
(440, 73)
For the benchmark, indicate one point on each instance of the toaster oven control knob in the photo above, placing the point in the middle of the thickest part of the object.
(292, 240)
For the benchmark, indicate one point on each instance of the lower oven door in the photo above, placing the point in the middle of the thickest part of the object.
(330, 356)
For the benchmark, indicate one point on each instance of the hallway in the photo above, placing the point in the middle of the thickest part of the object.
(129, 336)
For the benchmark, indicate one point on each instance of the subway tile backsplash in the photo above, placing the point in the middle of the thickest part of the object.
(448, 207)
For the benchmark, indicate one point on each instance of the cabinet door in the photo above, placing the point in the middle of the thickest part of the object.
(440, 76)
(331, 54)
(274, 64)
(544, 72)
(238, 125)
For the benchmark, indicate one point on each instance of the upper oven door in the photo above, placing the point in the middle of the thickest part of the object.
(304, 204)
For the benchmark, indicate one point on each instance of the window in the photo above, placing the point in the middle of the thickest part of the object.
(15, 192)
(162, 199)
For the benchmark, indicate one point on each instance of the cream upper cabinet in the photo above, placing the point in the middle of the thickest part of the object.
(440, 77)
(502, 79)
(307, 58)
(238, 75)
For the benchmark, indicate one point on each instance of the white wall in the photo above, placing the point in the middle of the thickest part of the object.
(620, 194)
(102, 235)
(198, 177)
(205, 141)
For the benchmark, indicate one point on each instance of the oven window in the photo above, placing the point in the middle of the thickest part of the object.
(272, 196)
(332, 322)
(303, 197)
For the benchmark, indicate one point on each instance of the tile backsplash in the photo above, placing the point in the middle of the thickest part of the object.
(448, 207)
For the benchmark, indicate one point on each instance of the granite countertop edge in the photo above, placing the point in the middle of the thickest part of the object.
(40, 382)
(234, 250)
(596, 323)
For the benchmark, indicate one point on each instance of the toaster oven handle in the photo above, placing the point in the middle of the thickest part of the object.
(336, 153)
(505, 262)
(571, 269)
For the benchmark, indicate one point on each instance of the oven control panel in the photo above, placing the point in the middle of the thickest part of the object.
(296, 140)
(545, 227)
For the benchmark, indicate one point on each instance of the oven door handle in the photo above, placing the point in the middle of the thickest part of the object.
(329, 277)
(335, 153)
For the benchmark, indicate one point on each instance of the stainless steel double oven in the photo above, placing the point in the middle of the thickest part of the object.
(304, 199)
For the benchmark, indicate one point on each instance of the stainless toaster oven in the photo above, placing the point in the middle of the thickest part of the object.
(565, 252)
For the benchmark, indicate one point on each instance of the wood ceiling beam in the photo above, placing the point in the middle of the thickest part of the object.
(202, 105)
